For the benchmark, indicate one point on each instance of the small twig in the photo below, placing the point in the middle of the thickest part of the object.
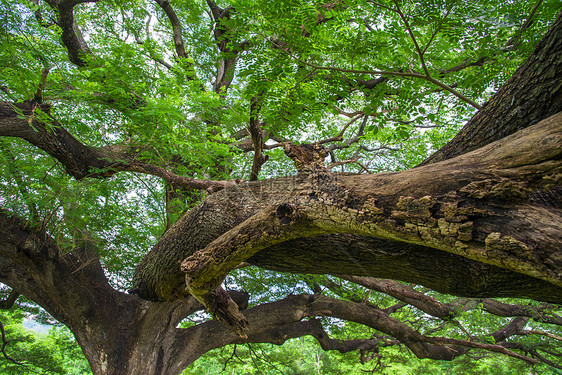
(382, 72)
(410, 32)
(4, 343)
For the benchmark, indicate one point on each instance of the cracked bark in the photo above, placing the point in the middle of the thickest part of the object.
(475, 207)
(411, 225)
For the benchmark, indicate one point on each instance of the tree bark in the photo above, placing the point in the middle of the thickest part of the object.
(495, 212)
(486, 223)
(533, 93)
(477, 207)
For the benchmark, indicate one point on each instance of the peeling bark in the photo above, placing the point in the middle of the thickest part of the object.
(486, 223)
(475, 206)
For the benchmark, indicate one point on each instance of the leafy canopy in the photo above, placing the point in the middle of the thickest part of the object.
(356, 68)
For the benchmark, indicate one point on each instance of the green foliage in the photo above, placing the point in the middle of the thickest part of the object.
(170, 116)
(33, 353)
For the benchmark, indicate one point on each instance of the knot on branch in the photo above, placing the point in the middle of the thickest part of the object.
(285, 213)
(307, 156)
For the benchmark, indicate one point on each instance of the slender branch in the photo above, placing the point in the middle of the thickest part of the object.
(477, 345)
(384, 72)
(343, 162)
(4, 343)
(436, 31)
(512, 42)
(339, 137)
(542, 333)
(352, 140)
(178, 41)
(411, 33)
(406, 294)
(227, 65)
(534, 352)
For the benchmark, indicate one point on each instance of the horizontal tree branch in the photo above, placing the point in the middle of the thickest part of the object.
(278, 321)
(79, 160)
(385, 73)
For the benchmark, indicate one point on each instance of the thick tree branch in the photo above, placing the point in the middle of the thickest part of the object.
(406, 294)
(176, 27)
(9, 302)
(325, 212)
(71, 35)
(227, 63)
(432, 306)
(278, 321)
(420, 206)
(81, 161)
(542, 314)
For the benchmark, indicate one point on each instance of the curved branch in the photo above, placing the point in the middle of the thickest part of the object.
(450, 206)
(278, 321)
(71, 35)
(383, 73)
(9, 302)
(4, 343)
(176, 27)
(79, 160)
(405, 293)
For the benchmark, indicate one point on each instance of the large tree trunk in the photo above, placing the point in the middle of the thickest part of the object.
(494, 213)
(479, 208)
(486, 223)
(533, 93)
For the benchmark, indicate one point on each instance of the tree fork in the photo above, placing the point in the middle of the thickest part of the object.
(475, 206)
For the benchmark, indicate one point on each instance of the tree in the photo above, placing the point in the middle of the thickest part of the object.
(90, 91)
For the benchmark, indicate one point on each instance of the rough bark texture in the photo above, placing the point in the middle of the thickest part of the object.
(533, 93)
(477, 206)
(486, 223)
